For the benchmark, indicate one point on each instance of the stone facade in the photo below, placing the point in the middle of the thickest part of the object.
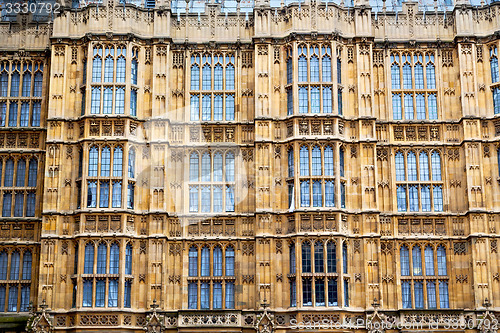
(153, 222)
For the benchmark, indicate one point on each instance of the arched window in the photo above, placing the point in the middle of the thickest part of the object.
(26, 91)
(291, 162)
(306, 257)
(229, 167)
(316, 161)
(205, 167)
(89, 259)
(304, 161)
(424, 166)
(345, 262)
(413, 198)
(319, 260)
(412, 166)
(302, 64)
(229, 261)
(205, 261)
(109, 63)
(417, 260)
(120, 68)
(217, 261)
(314, 63)
(293, 265)
(114, 259)
(341, 160)
(14, 82)
(9, 173)
(419, 75)
(93, 161)
(218, 167)
(305, 199)
(4, 258)
(128, 259)
(194, 167)
(400, 167)
(134, 70)
(207, 77)
(105, 161)
(429, 260)
(494, 64)
(4, 82)
(131, 163)
(331, 257)
(395, 72)
(326, 65)
(404, 257)
(117, 162)
(21, 172)
(27, 261)
(436, 166)
(37, 86)
(328, 161)
(218, 77)
(407, 79)
(15, 258)
(289, 70)
(193, 261)
(230, 77)
(441, 260)
(102, 257)
(195, 73)
(430, 72)
(97, 65)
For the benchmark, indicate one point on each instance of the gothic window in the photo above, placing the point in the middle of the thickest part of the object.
(306, 257)
(307, 291)
(26, 90)
(15, 279)
(135, 64)
(102, 257)
(416, 99)
(315, 80)
(331, 257)
(217, 191)
(289, 67)
(4, 79)
(15, 80)
(131, 163)
(418, 278)
(13, 114)
(496, 100)
(292, 259)
(415, 189)
(494, 64)
(108, 81)
(219, 104)
(89, 259)
(4, 258)
(114, 259)
(319, 257)
(211, 288)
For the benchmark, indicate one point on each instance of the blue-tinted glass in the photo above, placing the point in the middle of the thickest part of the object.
(27, 261)
(431, 295)
(306, 292)
(193, 198)
(192, 295)
(229, 295)
(25, 115)
(395, 77)
(108, 69)
(7, 204)
(113, 293)
(306, 257)
(217, 108)
(21, 172)
(114, 259)
(315, 97)
(441, 260)
(304, 194)
(100, 293)
(406, 294)
(95, 101)
(419, 76)
(429, 260)
(218, 77)
(26, 91)
(229, 198)
(419, 295)
(195, 77)
(332, 292)
(15, 258)
(302, 69)
(304, 161)
(412, 166)
(407, 79)
(37, 86)
(404, 257)
(87, 293)
(314, 63)
(14, 84)
(425, 194)
(409, 110)
(397, 112)
(205, 261)
(431, 76)
(329, 193)
(206, 108)
(229, 107)
(193, 261)
(217, 261)
(341, 162)
(289, 71)
(424, 166)
(230, 261)
(496, 100)
(316, 161)
(133, 102)
(4, 258)
(420, 101)
(416, 253)
(134, 70)
(230, 77)
(443, 295)
(128, 259)
(400, 167)
(436, 166)
(328, 161)
(13, 114)
(327, 100)
(289, 102)
(207, 77)
(345, 263)
(96, 69)
(89, 259)
(401, 198)
(317, 194)
(195, 108)
(326, 69)
(291, 163)
(432, 105)
(303, 100)
(117, 162)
